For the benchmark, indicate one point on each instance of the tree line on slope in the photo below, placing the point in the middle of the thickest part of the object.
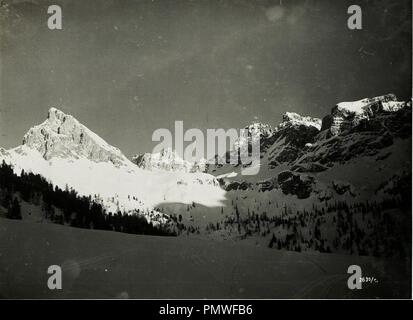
(66, 206)
(373, 228)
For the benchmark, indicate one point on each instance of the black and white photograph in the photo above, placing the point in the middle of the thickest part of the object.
(205, 149)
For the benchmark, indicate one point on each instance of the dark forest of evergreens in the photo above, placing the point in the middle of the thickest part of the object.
(380, 228)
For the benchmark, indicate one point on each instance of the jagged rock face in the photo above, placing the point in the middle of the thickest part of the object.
(61, 135)
(347, 147)
(298, 130)
(293, 134)
(294, 119)
(347, 115)
(396, 122)
(365, 139)
(256, 131)
(168, 160)
(301, 154)
(3, 152)
(228, 185)
(289, 183)
(295, 131)
(369, 125)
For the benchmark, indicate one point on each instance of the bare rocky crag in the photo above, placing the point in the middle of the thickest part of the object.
(304, 146)
(167, 160)
(61, 135)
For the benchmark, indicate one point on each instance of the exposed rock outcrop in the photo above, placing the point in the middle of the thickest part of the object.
(168, 160)
(347, 115)
(291, 138)
(61, 135)
(295, 184)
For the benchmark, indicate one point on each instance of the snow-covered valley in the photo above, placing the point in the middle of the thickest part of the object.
(338, 184)
(102, 264)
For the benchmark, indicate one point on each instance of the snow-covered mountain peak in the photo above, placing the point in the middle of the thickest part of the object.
(3, 152)
(294, 119)
(55, 114)
(262, 128)
(61, 135)
(361, 106)
(167, 160)
(347, 115)
(257, 132)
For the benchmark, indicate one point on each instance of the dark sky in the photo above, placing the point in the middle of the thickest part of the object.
(126, 68)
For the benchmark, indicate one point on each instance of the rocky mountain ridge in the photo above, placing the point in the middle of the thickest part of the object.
(168, 160)
(61, 135)
(302, 147)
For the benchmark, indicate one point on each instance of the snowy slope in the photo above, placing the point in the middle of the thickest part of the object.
(101, 264)
(69, 155)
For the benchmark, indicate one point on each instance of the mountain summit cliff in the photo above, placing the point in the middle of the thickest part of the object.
(347, 115)
(61, 135)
